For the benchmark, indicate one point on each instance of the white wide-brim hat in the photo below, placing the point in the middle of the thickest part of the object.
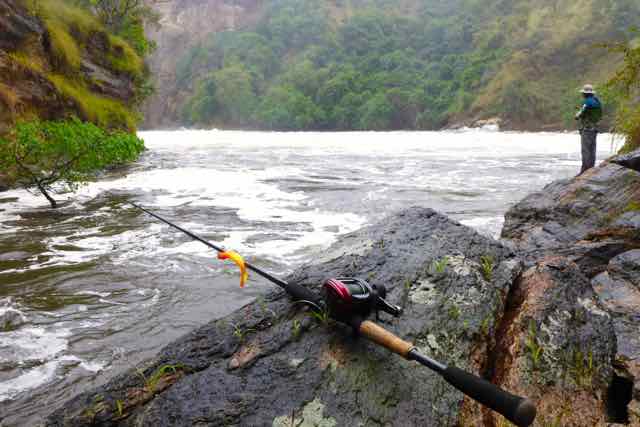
(587, 89)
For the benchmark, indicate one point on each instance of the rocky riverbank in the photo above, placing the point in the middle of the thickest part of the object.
(551, 312)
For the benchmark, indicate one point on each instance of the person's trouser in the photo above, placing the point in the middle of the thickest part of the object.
(588, 137)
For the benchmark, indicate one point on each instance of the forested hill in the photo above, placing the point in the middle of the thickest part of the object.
(381, 64)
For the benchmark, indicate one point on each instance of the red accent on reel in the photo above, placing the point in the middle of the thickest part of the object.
(339, 289)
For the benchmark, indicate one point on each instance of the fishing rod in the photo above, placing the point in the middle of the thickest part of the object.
(351, 301)
(299, 293)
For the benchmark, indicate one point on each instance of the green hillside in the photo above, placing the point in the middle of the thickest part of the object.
(403, 64)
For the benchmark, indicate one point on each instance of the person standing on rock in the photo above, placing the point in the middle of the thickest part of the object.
(589, 116)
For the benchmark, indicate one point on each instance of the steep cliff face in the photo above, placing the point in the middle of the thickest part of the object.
(184, 24)
(57, 60)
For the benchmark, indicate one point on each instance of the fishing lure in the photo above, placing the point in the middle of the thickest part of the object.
(236, 258)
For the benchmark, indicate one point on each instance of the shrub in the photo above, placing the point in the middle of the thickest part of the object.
(68, 153)
(626, 84)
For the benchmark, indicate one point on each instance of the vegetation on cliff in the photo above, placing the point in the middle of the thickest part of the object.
(626, 85)
(72, 82)
(97, 71)
(410, 64)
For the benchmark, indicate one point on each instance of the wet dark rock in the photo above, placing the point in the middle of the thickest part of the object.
(627, 267)
(619, 292)
(104, 81)
(593, 221)
(556, 344)
(565, 213)
(628, 220)
(629, 160)
(15, 24)
(271, 361)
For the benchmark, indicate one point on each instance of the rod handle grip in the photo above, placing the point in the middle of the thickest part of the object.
(300, 293)
(385, 338)
(520, 411)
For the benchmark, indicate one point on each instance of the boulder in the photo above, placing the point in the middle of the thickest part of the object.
(630, 160)
(273, 364)
(586, 218)
(619, 291)
(557, 345)
(592, 221)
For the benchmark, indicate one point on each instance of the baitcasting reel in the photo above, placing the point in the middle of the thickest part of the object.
(349, 297)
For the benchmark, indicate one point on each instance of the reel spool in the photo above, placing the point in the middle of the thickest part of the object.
(349, 297)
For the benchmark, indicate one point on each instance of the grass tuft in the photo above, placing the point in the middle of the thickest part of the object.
(486, 265)
(65, 50)
(439, 266)
(119, 408)
(296, 329)
(26, 61)
(633, 206)
(535, 350)
(151, 382)
(123, 58)
(104, 112)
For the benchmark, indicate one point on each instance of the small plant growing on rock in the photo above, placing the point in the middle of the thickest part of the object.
(98, 406)
(119, 408)
(240, 333)
(264, 308)
(582, 368)
(535, 350)
(439, 266)
(484, 327)
(454, 312)
(161, 372)
(633, 206)
(486, 267)
(321, 316)
(296, 328)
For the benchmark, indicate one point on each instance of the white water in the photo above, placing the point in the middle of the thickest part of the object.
(96, 286)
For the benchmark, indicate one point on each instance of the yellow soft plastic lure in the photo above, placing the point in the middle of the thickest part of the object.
(235, 257)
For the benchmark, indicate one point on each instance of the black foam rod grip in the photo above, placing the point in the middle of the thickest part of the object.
(516, 409)
(300, 293)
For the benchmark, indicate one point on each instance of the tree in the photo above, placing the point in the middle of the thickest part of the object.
(285, 107)
(117, 14)
(39, 155)
(625, 84)
(376, 113)
(202, 107)
(235, 94)
(128, 19)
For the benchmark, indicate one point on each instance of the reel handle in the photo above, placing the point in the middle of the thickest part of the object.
(518, 410)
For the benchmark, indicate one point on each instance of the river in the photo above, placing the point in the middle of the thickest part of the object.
(96, 286)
